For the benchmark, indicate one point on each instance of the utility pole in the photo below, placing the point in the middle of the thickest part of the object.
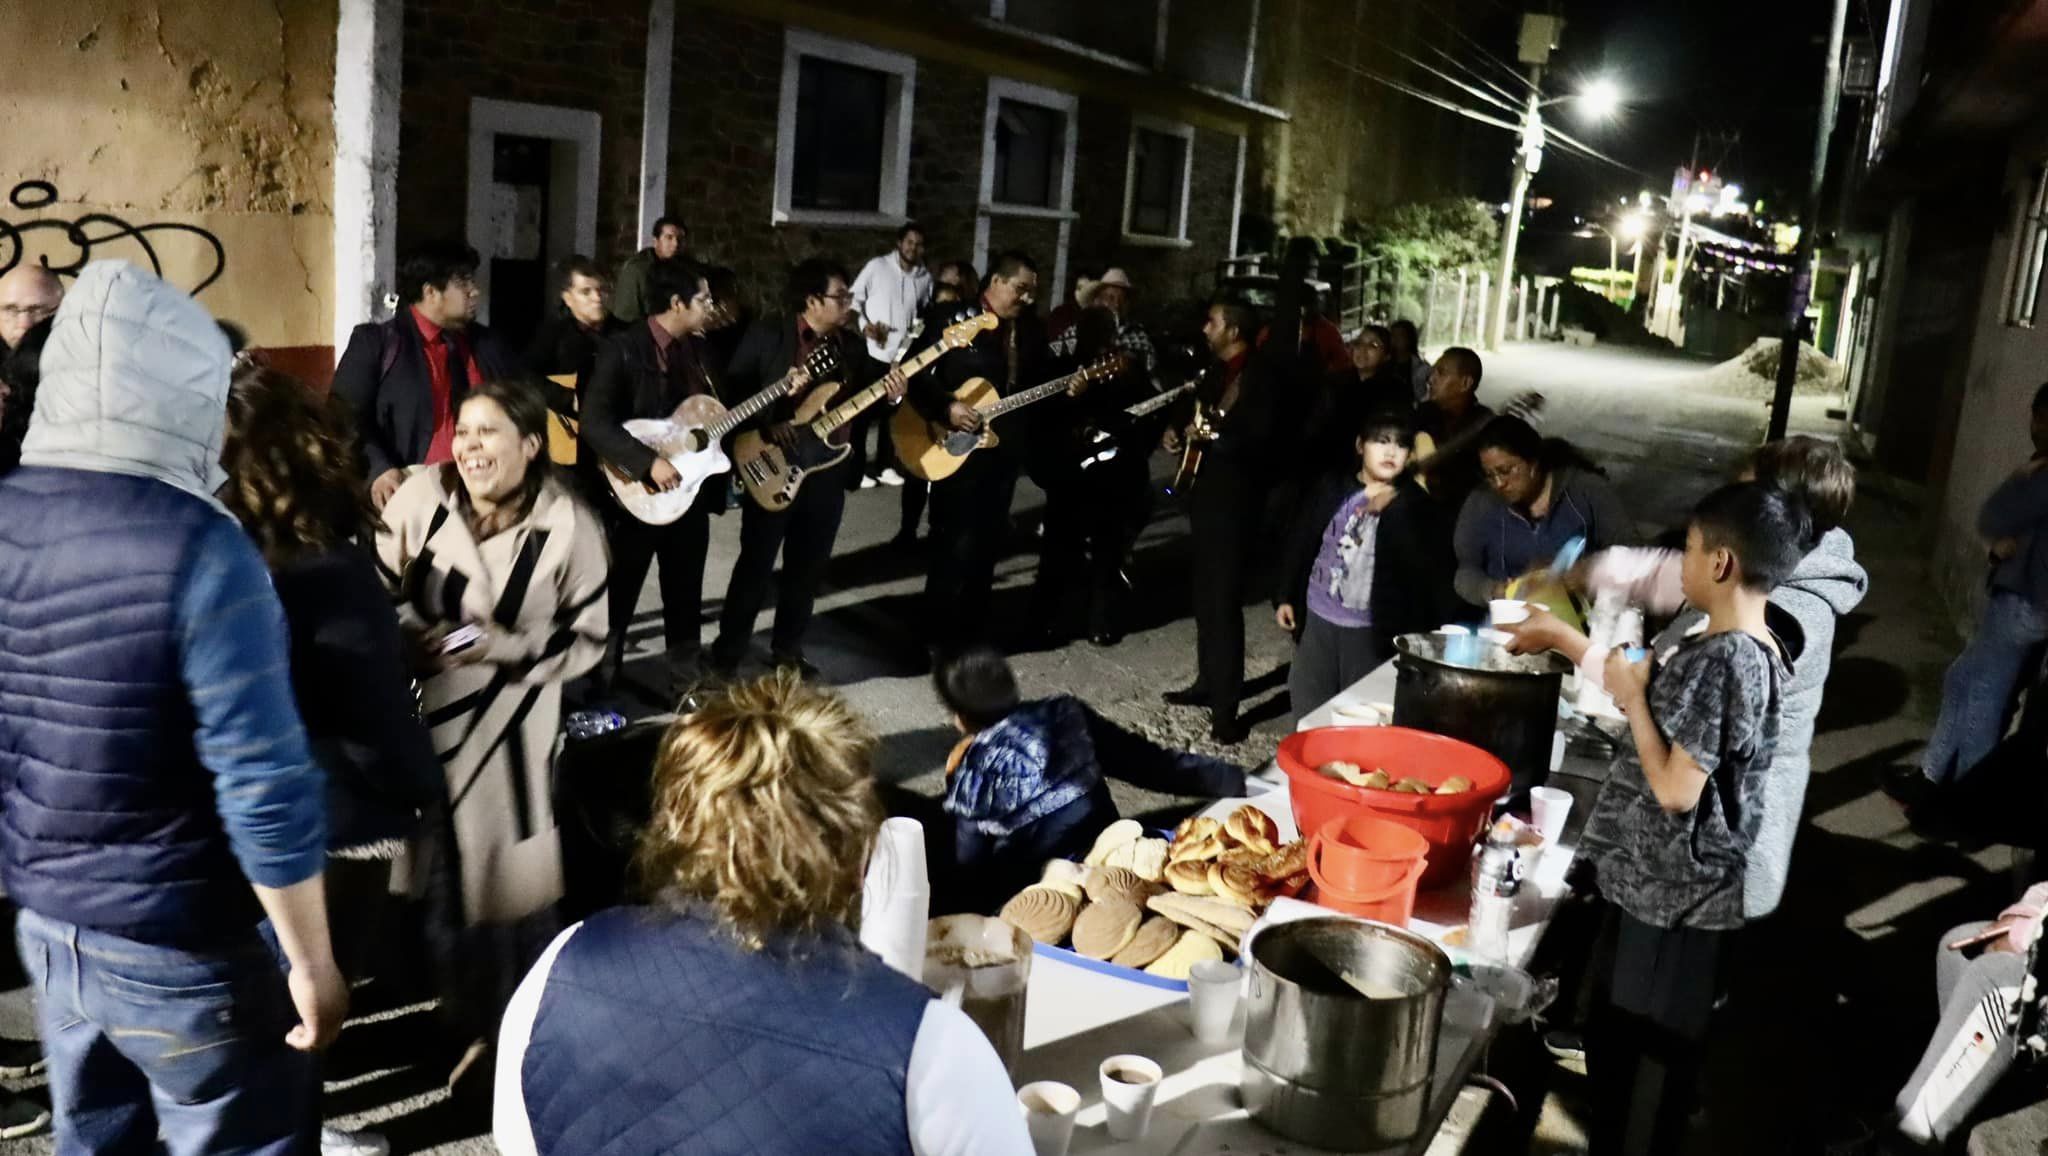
(1809, 227)
(1539, 37)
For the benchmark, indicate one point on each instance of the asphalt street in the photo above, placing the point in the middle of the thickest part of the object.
(1863, 889)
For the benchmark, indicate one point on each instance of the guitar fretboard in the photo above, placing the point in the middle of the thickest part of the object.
(851, 408)
(1036, 393)
(738, 415)
(1154, 405)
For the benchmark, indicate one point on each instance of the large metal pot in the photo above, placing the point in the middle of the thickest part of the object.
(1340, 1034)
(1502, 703)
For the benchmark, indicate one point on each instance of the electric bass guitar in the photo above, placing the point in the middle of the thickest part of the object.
(1099, 445)
(690, 439)
(935, 451)
(772, 475)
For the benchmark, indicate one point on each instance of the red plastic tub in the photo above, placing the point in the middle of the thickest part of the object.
(1451, 823)
(1393, 903)
(1360, 852)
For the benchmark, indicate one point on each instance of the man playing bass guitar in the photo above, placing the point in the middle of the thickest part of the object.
(647, 371)
(820, 305)
(1226, 500)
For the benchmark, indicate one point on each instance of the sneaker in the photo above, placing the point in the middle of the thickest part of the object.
(889, 477)
(867, 482)
(21, 1116)
(335, 1142)
(20, 1058)
(1565, 1044)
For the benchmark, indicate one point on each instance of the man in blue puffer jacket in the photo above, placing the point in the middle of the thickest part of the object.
(157, 800)
(1027, 782)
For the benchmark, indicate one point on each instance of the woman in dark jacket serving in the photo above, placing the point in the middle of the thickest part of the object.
(1540, 494)
(1369, 559)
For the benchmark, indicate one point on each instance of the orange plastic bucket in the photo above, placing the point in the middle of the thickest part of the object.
(1364, 854)
(1451, 823)
(1394, 903)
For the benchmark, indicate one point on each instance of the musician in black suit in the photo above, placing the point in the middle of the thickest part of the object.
(820, 304)
(404, 379)
(1239, 397)
(567, 342)
(646, 371)
(971, 509)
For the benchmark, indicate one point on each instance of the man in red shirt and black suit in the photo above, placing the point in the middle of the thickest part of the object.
(403, 379)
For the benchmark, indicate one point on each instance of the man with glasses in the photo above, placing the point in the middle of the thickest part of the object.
(820, 306)
(404, 379)
(1447, 428)
(971, 509)
(29, 295)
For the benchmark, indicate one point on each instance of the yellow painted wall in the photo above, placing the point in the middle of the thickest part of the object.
(213, 114)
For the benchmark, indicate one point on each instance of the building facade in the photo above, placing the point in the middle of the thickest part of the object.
(277, 156)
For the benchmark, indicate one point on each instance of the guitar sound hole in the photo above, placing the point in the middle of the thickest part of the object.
(694, 441)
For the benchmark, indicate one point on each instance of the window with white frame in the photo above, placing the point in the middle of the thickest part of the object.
(1030, 154)
(842, 147)
(2030, 253)
(1160, 164)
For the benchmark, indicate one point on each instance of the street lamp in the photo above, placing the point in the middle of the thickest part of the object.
(1600, 99)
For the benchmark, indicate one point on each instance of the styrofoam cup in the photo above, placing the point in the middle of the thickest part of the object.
(1213, 987)
(1357, 714)
(1129, 1094)
(1507, 611)
(1549, 807)
(1049, 1108)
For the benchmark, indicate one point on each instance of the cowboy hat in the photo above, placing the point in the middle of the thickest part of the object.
(1085, 291)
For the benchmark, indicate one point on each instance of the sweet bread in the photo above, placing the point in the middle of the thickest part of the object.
(1199, 848)
(1253, 828)
(1189, 877)
(1196, 827)
(1148, 859)
(1236, 884)
(1115, 883)
(1155, 937)
(1113, 836)
(1187, 951)
(1045, 915)
(1106, 928)
(1188, 910)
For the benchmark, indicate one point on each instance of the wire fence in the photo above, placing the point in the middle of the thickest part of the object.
(1448, 306)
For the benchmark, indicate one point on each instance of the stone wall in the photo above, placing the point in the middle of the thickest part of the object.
(194, 124)
(581, 54)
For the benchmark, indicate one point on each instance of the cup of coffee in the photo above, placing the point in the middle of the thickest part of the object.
(1049, 1107)
(1213, 987)
(1130, 1086)
(1549, 807)
(1507, 611)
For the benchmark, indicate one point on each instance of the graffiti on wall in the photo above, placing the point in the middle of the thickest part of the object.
(92, 236)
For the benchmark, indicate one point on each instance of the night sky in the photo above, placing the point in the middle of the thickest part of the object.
(1744, 74)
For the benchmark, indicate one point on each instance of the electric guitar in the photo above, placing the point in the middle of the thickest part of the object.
(935, 451)
(772, 475)
(1099, 445)
(690, 440)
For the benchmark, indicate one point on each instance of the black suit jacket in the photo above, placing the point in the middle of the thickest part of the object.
(769, 350)
(394, 407)
(1245, 445)
(988, 357)
(627, 382)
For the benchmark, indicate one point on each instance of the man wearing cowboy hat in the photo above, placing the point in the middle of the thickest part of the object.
(1111, 291)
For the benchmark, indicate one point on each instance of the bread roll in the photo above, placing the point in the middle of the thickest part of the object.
(1148, 859)
(1236, 884)
(1252, 827)
(1228, 918)
(1115, 883)
(1045, 915)
(1189, 877)
(1155, 937)
(1197, 849)
(1106, 928)
(1187, 951)
(1113, 836)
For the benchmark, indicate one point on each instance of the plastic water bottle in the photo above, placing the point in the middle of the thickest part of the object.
(1495, 881)
(588, 724)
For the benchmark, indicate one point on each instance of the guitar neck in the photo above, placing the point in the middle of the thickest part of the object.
(851, 408)
(1155, 404)
(741, 413)
(1036, 393)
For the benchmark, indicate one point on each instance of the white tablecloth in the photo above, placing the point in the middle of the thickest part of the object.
(1076, 1018)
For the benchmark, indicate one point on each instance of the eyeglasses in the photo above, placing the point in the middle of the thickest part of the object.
(1502, 473)
(32, 313)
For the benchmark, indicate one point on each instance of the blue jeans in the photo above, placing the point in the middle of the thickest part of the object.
(1978, 690)
(157, 1049)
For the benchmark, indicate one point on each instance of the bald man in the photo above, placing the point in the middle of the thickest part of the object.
(28, 294)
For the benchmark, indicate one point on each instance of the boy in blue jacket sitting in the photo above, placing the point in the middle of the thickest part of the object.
(1026, 783)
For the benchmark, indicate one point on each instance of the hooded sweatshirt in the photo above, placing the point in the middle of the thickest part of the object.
(152, 763)
(1827, 584)
(1496, 542)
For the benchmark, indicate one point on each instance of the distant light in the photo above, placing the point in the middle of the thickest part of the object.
(1600, 99)
(1632, 225)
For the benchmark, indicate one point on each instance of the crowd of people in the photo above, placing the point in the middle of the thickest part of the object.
(289, 668)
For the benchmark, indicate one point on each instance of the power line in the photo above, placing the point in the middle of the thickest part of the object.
(1482, 94)
(1478, 75)
(1419, 94)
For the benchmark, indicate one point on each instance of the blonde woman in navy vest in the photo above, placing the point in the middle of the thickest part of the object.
(738, 1012)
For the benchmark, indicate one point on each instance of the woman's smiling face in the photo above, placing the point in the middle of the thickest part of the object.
(489, 453)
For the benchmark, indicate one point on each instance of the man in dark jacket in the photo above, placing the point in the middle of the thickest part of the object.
(1028, 781)
(1237, 400)
(646, 372)
(633, 299)
(566, 343)
(404, 379)
(161, 801)
(971, 509)
(820, 305)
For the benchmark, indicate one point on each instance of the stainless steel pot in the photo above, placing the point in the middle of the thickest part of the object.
(1502, 703)
(1326, 1063)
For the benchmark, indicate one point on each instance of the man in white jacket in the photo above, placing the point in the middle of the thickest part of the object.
(890, 293)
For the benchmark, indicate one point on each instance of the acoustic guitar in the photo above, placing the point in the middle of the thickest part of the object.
(1200, 436)
(934, 451)
(772, 475)
(690, 439)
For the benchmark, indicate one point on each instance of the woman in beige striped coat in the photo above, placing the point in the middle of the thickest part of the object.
(495, 542)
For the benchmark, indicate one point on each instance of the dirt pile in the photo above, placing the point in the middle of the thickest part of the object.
(1754, 372)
